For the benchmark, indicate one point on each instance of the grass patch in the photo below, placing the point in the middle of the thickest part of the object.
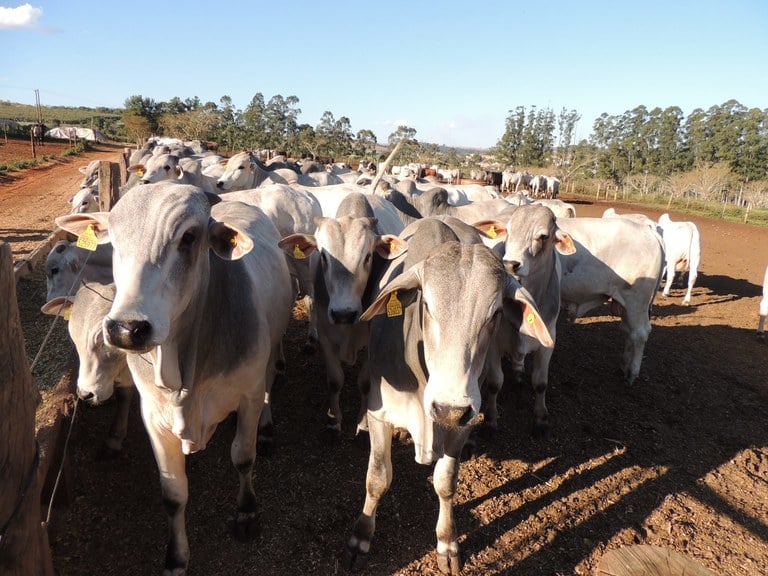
(17, 165)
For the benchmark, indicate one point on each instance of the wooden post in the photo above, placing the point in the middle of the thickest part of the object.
(746, 214)
(32, 140)
(109, 184)
(23, 544)
(125, 160)
(597, 196)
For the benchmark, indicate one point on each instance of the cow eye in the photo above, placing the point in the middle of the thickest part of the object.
(187, 239)
(543, 237)
(167, 168)
(54, 271)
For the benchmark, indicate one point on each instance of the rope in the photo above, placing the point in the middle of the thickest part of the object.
(61, 467)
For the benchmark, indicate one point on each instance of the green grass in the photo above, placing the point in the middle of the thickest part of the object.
(18, 165)
(63, 114)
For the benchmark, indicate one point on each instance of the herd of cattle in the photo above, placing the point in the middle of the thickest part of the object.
(184, 291)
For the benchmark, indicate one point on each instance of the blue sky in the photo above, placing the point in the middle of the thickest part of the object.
(452, 70)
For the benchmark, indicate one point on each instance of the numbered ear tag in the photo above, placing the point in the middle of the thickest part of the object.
(394, 306)
(140, 173)
(531, 318)
(492, 232)
(87, 240)
(392, 247)
(298, 253)
(67, 313)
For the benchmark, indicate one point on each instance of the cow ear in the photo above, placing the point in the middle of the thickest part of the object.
(137, 168)
(179, 172)
(493, 229)
(408, 280)
(564, 243)
(83, 169)
(78, 224)
(59, 306)
(520, 310)
(298, 246)
(389, 246)
(227, 242)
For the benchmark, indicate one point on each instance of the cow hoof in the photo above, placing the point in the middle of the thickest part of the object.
(449, 563)
(246, 526)
(354, 559)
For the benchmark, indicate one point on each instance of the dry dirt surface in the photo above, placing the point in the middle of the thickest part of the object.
(678, 460)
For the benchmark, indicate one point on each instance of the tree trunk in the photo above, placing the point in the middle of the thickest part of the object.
(23, 548)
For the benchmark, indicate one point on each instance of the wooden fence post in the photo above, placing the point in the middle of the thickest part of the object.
(124, 161)
(109, 185)
(23, 541)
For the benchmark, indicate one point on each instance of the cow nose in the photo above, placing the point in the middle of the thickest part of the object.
(343, 316)
(145, 181)
(220, 185)
(452, 416)
(128, 334)
(85, 395)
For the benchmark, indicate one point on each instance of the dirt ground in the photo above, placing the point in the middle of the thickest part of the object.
(678, 460)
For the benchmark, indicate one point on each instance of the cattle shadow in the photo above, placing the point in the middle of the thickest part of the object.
(728, 286)
(667, 426)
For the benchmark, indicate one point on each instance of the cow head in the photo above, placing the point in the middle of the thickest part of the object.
(239, 172)
(463, 291)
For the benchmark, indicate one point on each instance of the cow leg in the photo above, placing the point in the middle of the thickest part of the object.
(763, 312)
(377, 482)
(692, 274)
(445, 480)
(492, 383)
(243, 452)
(539, 380)
(670, 276)
(266, 434)
(173, 484)
(363, 385)
(636, 327)
(119, 428)
(335, 380)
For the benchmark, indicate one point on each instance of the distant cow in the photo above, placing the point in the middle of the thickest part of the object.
(682, 246)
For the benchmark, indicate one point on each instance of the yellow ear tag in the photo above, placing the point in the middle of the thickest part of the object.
(233, 241)
(298, 253)
(394, 306)
(140, 173)
(492, 232)
(67, 313)
(392, 247)
(87, 240)
(531, 318)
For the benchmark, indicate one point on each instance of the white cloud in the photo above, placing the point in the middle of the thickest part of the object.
(24, 16)
(396, 123)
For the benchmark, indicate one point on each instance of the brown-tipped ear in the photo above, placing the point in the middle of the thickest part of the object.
(564, 243)
(493, 229)
(59, 306)
(520, 309)
(77, 224)
(228, 242)
(389, 246)
(298, 246)
(137, 168)
(408, 280)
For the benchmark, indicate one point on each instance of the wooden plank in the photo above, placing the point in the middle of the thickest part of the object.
(23, 548)
(109, 184)
(646, 560)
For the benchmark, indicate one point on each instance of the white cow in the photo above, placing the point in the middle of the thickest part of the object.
(532, 240)
(90, 175)
(203, 297)
(85, 200)
(103, 370)
(553, 186)
(178, 169)
(244, 171)
(66, 264)
(682, 246)
(639, 218)
(538, 185)
(559, 208)
(431, 328)
(763, 309)
(345, 274)
(617, 260)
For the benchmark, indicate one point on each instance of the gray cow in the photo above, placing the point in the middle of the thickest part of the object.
(532, 241)
(203, 298)
(103, 370)
(430, 331)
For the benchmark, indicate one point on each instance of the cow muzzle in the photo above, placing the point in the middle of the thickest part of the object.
(453, 416)
(134, 335)
(343, 316)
